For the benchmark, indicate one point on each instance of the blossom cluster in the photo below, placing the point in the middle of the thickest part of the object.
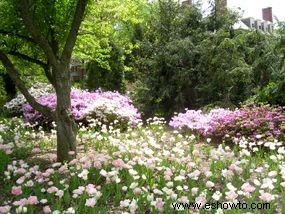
(108, 107)
(253, 122)
(37, 90)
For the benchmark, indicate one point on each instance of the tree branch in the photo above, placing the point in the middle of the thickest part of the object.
(45, 66)
(36, 34)
(49, 74)
(71, 39)
(14, 74)
(28, 39)
(27, 58)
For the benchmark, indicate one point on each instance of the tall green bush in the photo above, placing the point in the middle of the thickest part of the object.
(107, 77)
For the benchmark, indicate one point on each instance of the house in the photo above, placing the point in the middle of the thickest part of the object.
(265, 25)
(77, 70)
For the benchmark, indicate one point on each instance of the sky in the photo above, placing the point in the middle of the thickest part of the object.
(253, 8)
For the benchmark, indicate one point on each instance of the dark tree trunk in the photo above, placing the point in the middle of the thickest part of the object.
(66, 126)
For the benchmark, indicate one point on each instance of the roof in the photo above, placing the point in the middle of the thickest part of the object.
(240, 25)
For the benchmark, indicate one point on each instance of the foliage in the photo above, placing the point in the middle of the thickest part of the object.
(166, 60)
(2, 92)
(111, 78)
(189, 61)
(273, 91)
(106, 107)
(106, 40)
(183, 64)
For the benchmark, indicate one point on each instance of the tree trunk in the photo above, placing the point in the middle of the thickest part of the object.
(66, 126)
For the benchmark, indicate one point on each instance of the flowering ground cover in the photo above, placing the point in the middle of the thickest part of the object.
(143, 169)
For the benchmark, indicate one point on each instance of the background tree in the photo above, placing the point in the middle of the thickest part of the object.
(106, 41)
(186, 60)
(41, 33)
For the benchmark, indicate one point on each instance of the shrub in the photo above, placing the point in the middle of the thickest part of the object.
(201, 123)
(262, 122)
(109, 76)
(108, 107)
(38, 89)
(273, 94)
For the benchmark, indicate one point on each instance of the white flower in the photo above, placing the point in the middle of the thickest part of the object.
(43, 201)
(103, 173)
(179, 178)
(84, 174)
(158, 192)
(272, 174)
(70, 210)
(231, 187)
(125, 203)
(217, 195)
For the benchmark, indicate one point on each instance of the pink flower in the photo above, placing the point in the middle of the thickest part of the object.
(231, 195)
(194, 190)
(210, 184)
(97, 165)
(73, 162)
(184, 199)
(201, 200)
(79, 190)
(32, 200)
(63, 169)
(16, 190)
(246, 187)
(52, 189)
(90, 202)
(119, 163)
(5, 209)
(46, 210)
(90, 189)
(159, 204)
(22, 202)
(137, 191)
(20, 180)
(133, 206)
(167, 174)
(267, 197)
(19, 171)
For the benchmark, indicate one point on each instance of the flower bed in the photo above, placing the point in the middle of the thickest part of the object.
(142, 170)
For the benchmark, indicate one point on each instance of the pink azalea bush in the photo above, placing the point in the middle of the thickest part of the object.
(107, 107)
(258, 121)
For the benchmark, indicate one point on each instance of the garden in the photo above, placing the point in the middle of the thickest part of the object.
(177, 112)
(125, 165)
